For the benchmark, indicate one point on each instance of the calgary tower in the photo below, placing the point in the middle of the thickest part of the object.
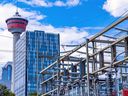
(16, 25)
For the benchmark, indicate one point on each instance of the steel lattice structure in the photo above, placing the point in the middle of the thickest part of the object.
(86, 68)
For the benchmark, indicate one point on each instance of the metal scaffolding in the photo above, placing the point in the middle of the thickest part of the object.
(99, 63)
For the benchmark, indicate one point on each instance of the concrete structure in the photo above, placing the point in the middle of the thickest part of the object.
(100, 67)
(33, 51)
(16, 25)
(7, 75)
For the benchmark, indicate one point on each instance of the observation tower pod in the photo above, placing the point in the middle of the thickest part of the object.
(16, 24)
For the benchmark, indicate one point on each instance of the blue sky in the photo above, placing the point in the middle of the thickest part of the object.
(85, 14)
(72, 19)
(88, 13)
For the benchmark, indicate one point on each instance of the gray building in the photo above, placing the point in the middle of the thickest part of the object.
(33, 52)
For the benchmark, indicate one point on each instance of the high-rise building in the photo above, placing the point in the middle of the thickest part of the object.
(33, 52)
(7, 75)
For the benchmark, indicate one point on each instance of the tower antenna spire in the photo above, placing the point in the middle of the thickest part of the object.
(17, 6)
(17, 13)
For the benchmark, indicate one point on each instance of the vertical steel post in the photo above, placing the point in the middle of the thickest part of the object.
(82, 69)
(87, 62)
(113, 53)
(101, 59)
(126, 46)
(94, 67)
(93, 51)
(58, 78)
(126, 51)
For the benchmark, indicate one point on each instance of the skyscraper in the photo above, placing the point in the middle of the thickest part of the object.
(7, 75)
(33, 52)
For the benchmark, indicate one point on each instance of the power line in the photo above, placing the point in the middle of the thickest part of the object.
(6, 36)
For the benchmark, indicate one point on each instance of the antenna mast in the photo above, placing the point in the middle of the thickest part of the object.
(16, 6)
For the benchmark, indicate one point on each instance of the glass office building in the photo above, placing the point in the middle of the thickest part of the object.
(7, 71)
(7, 75)
(34, 51)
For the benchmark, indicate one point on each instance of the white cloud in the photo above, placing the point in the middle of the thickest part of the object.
(46, 3)
(59, 3)
(73, 2)
(116, 7)
(6, 46)
(37, 3)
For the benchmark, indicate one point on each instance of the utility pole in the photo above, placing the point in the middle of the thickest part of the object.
(87, 62)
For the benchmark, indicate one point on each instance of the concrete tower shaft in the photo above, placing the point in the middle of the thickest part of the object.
(16, 37)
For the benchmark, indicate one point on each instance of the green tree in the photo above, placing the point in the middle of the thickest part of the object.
(5, 92)
(33, 94)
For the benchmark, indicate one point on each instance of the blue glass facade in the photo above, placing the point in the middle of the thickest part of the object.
(7, 72)
(7, 75)
(34, 51)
